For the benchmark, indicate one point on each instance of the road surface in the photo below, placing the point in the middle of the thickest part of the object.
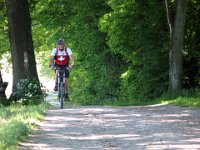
(156, 127)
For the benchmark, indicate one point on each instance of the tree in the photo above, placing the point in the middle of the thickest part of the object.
(176, 53)
(97, 69)
(122, 47)
(20, 37)
(141, 39)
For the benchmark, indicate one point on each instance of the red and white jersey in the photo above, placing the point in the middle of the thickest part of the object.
(61, 57)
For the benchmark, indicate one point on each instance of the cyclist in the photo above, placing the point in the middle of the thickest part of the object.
(62, 56)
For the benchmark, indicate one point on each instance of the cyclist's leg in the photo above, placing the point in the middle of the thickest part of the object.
(67, 73)
(67, 90)
(56, 81)
(67, 85)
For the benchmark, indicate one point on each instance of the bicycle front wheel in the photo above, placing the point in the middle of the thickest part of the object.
(61, 94)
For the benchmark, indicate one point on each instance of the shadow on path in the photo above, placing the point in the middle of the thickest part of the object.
(117, 128)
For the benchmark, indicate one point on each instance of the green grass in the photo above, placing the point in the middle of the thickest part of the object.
(185, 98)
(185, 101)
(16, 121)
(114, 103)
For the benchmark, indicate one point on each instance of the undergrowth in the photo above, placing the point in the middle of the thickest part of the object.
(189, 98)
(16, 121)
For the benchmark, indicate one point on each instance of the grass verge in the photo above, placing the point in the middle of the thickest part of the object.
(16, 121)
(185, 98)
(185, 101)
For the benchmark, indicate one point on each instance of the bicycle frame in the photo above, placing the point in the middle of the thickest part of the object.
(61, 85)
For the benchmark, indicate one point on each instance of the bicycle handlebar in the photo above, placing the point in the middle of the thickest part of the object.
(60, 68)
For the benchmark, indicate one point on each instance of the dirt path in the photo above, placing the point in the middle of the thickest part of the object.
(118, 128)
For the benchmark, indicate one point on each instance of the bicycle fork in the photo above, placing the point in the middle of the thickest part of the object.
(61, 88)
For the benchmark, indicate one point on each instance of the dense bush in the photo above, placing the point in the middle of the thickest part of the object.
(4, 101)
(132, 33)
(29, 92)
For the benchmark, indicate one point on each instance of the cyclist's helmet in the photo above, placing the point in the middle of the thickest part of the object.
(60, 41)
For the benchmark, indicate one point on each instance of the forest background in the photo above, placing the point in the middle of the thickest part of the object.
(121, 48)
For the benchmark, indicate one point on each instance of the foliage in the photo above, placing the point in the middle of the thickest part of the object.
(132, 33)
(4, 101)
(191, 53)
(92, 77)
(138, 44)
(4, 45)
(186, 98)
(94, 57)
(15, 122)
(121, 48)
(29, 92)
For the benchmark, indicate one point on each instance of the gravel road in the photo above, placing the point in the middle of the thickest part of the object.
(156, 127)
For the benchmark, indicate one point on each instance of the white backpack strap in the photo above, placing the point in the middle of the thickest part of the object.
(66, 51)
(56, 52)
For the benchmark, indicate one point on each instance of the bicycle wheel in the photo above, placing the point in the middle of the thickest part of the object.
(61, 95)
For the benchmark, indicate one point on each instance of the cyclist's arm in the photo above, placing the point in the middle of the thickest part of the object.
(71, 61)
(51, 61)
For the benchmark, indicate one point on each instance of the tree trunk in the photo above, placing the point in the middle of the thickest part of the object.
(176, 53)
(21, 43)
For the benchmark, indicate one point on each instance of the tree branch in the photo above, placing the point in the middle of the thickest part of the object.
(168, 20)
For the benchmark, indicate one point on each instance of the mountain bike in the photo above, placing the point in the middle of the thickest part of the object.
(61, 84)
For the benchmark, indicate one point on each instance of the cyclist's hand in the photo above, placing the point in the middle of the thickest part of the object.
(51, 66)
